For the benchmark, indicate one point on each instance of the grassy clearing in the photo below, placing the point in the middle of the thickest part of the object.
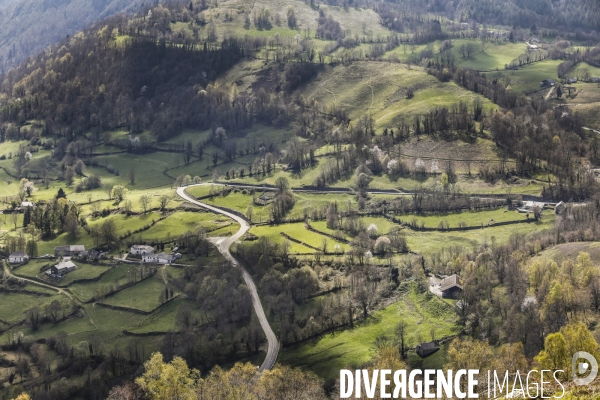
(438, 94)
(306, 177)
(163, 319)
(433, 154)
(8, 189)
(581, 69)
(181, 222)
(273, 233)
(13, 306)
(142, 296)
(33, 267)
(71, 326)
(7, 223)
(357, 21)
(471, 218)
(495, 56)
(125, 223)
(298, 231)
(47, 247)
(570, 251)
(381, 88)
(361, 22)
(528, 78)
(351, 348)
(383, 225)
(240, 202)
(116, 277)
(84, 271)
(429, 242)
(151, 175)
(110, 322)
(322, 226)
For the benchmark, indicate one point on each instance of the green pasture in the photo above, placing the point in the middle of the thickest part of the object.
(429, 242)
(124, 223)
(116, 277)
(165, 318)
(83, 271)
(8, 189)
(47, 247)
(470, 218)
(148, 167)
(570, 251)
(33, 267)
(381, 88)
(528, 77)
(142, 296)
(322, 226)
(383, 225)
(273, 233)
(582, 69)
(13, 305)
(7, 222)
(496, 53)
(80, 324)
(181, 222)
(352, 348)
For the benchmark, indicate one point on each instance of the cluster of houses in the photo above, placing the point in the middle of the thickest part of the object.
(65, 264)
(569, 81)
(148, 256)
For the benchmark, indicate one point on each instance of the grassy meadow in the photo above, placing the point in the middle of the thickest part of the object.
(351, 348)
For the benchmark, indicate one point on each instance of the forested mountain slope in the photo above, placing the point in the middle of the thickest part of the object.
(579, 14)
(27, 26)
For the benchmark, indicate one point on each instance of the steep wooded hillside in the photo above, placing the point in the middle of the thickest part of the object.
(27, 26)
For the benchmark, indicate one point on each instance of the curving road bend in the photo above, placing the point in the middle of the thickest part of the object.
(223, 245)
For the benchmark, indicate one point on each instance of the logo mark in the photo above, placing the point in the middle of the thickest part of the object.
(580, 368)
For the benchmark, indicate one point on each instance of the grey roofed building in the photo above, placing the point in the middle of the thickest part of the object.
(69, 250)
(529, 206)
(547, 83)
(451, 286)
(164, 258)
(62, 267)
(427, 349)
(141, 249)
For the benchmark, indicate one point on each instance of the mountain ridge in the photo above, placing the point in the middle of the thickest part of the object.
(28, 26)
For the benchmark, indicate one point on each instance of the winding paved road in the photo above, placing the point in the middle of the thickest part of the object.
(223, 245)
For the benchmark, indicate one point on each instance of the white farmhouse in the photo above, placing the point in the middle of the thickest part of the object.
(18, 257)
(160, 258)
(141, 249)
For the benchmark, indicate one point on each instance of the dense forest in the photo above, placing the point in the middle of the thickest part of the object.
(26, 26)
